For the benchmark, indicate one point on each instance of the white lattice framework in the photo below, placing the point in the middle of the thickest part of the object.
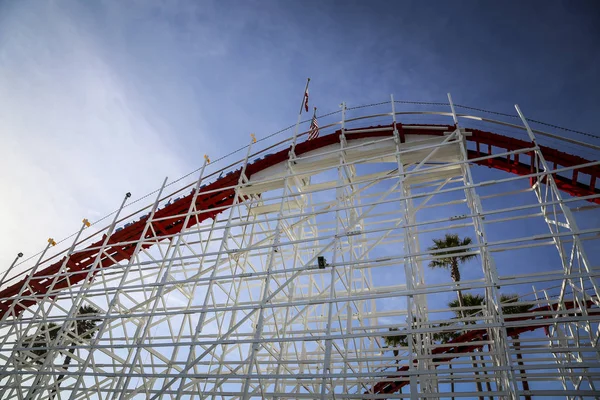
(239, 307)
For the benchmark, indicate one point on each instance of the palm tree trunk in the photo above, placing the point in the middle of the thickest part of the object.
(62, 376)
(455, 271)
(451, 378)
(477, 382)
(488, 385)
(455, 274)
(517, 345)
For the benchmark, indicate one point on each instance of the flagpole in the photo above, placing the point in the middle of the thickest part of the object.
(299, 117)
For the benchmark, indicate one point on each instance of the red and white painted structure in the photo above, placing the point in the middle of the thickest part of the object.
(215, 290)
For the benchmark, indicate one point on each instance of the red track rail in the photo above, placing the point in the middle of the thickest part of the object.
(463, 343)
(217, 196)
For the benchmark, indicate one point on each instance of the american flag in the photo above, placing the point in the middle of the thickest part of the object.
(313, 132)
(305, 99)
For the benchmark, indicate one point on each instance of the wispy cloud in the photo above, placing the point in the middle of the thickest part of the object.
(75, 135)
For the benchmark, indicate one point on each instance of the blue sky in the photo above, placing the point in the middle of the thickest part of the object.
(100, 98)
(105, 97)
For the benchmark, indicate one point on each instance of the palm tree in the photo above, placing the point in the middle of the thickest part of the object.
(396, 341)
(401, 340)
(445, 337)
(82, 330)
(472, 301)
(507, 308)
(450, 257)
(36, 353)
(516, 309)
(468, 301)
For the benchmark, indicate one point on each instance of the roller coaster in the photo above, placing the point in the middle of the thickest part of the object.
(217, 292)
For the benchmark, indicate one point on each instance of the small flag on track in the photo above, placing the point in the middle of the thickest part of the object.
(313, 132)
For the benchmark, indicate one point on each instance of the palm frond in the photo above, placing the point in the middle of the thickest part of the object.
(469, 300)
(84, 328)
(396, 340)
(508, 307)
(39, 343)
(451, 254)
(466, 242)
(445, 336)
